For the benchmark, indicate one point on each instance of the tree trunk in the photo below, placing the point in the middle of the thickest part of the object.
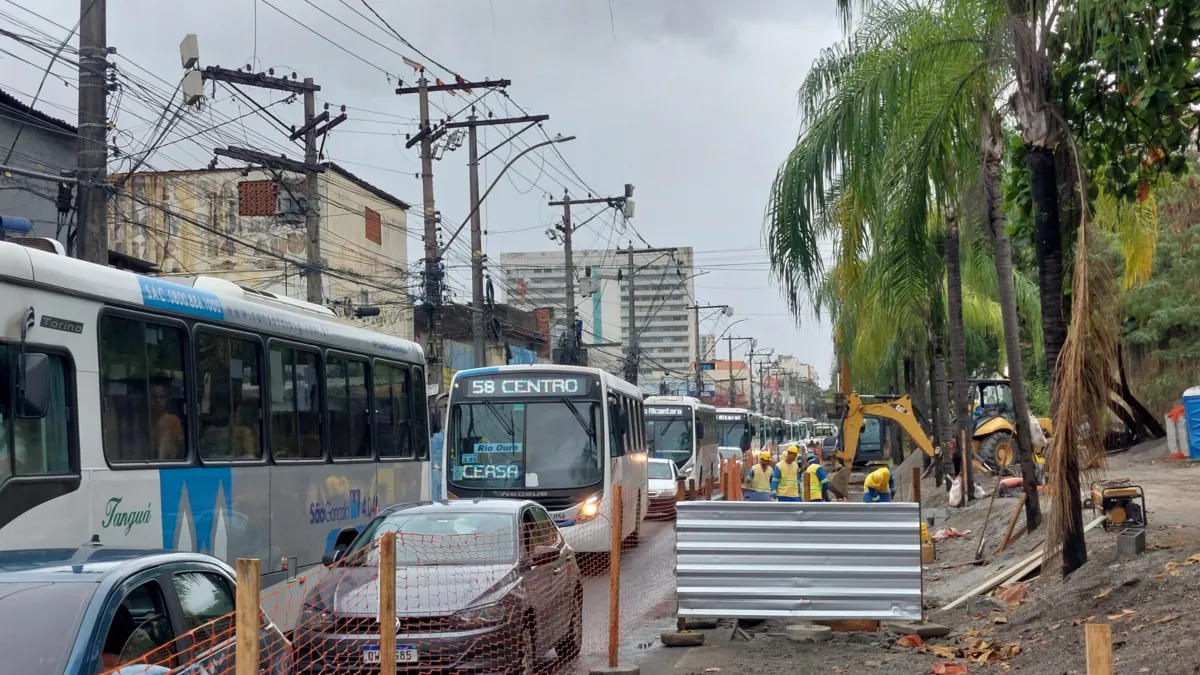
(1048, 247)
(895, 448)
(1153, 428)
(935, 424)
(958, 344)
(941, 395)
(993, 147)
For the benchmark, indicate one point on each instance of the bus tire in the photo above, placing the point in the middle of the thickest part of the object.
(635, 537)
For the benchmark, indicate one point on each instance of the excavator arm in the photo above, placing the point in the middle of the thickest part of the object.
(899, 411)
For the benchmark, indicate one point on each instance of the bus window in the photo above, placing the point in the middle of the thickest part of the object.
(420, 414)
(393, 412)
(295, 404)
(346, 391)
(144, 405)
(35, 447)
(614, 427)
(228, 383)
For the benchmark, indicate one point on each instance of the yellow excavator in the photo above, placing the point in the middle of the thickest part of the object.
(993, 432)
(899, 410)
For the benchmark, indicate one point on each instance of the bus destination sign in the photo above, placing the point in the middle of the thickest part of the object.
(656, 411)
(501, 386)
(730, 417)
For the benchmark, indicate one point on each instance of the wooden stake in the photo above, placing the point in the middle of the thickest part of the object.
(246, 613)
(614, 580)
(916, 484)
(1012, 521)
(681, 490)
(1099, 648)
(387, 604)
(964, 454)
(805, 482)
(691, 488)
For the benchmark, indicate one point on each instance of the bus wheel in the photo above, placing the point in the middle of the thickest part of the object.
(635, 537)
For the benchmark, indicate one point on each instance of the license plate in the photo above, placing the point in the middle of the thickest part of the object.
(404, 654)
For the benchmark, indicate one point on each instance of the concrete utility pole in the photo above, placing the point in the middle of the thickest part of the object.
(433, 262)
(633, 354)
(750, 372)
(92, 148)
(699, 375)
(477, 257)
(315, 126)
(732, 392)
(570, 351)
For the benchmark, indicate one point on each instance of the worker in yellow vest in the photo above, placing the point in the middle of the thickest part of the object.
(879, 486)
(760, 479)
(819, 486)
(786, 480)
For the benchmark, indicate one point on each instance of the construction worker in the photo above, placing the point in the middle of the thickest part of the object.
(879, 486)
(786, 479)
(761, 477)
(819, 486)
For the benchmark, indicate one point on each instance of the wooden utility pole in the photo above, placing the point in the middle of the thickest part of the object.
(569, 352)
(315, 127)
(433, 262)
(477, 257)
(92, 147)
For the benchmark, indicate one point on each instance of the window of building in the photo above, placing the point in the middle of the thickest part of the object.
(144, 407)
(393, 411)
(228, 385)
(258, 197)
(295, 403)
(374, 226)
(349, 409)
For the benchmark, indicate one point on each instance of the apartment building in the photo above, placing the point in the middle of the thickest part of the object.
(663, 290)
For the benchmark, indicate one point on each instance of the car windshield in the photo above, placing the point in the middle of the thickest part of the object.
(669, 437)
(40, 621)
(661, 471)
(545, 444)
(449, 538)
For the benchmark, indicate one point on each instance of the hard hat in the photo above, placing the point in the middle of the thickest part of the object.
(793, 450)
(765, 454)
(812, 457)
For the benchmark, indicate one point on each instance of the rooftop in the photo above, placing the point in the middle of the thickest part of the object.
(9, 101)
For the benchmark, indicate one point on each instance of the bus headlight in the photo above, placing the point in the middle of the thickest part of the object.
(589, 510)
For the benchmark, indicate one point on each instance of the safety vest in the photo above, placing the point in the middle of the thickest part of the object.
(815, 494)
(789, 479)
(760, 478)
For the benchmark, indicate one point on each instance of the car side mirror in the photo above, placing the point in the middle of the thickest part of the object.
(33, 386)
(542, 555)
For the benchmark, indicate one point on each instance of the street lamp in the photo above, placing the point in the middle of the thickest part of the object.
(557, 139)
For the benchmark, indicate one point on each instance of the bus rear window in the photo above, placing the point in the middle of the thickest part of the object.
(36, 447)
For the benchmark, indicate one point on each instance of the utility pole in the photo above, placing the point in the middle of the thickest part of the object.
(92, 148)
(433, 262)
(732, 391)
(750, 373)
(477, 257)
(569, 353)
(697, 308)
(315, 127)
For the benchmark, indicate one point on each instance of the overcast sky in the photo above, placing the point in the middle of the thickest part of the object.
(692, 101)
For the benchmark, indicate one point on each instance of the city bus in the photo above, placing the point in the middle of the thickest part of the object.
(683, 430)
(201, 416)
(734, 429)
(562, 436)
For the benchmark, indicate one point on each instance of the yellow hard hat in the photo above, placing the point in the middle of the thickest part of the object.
(765, 454)
(793, 450)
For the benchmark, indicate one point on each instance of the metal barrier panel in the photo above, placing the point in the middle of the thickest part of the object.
(799, 560)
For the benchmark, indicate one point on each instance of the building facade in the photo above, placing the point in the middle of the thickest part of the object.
(663, 290)
(31, 139)
(249, 228)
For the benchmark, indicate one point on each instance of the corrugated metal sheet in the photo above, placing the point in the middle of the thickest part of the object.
(809, 560)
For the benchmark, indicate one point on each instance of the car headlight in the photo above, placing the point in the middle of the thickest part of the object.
(486, 615)
(314, 619)
(589, 510)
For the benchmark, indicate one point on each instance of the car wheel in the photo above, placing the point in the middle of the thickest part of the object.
(571, 644)
(526, 654)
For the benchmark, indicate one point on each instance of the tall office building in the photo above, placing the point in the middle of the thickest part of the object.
(663, 289)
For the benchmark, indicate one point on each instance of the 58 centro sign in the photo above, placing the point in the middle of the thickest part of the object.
(543, 385)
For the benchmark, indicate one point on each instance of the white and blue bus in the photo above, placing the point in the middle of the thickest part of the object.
(684, 430)
(562, 436)
(201, 417)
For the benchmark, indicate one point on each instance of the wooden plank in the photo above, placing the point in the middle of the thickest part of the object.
(1012, 521)
(850, 625)
(1023, 567)
(387, 603)
(916, 484)
(614, 580)
(246, 613)
(1099, 649)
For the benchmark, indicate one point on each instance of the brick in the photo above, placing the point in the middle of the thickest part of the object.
(1131, 542)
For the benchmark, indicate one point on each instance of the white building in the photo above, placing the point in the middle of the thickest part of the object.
(663, 289)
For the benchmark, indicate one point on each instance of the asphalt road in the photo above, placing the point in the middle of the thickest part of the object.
(647, 600)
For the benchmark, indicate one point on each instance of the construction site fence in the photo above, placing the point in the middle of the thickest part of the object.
(456, 593)
(799, 560)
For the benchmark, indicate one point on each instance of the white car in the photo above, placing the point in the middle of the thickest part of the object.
(663, 484)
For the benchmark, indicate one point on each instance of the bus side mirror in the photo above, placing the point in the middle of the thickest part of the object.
(699, 429)
(33, 386)
(745, 444)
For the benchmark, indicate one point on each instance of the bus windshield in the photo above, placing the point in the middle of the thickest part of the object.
(670, 437)
(545, 444)
(733, 432)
